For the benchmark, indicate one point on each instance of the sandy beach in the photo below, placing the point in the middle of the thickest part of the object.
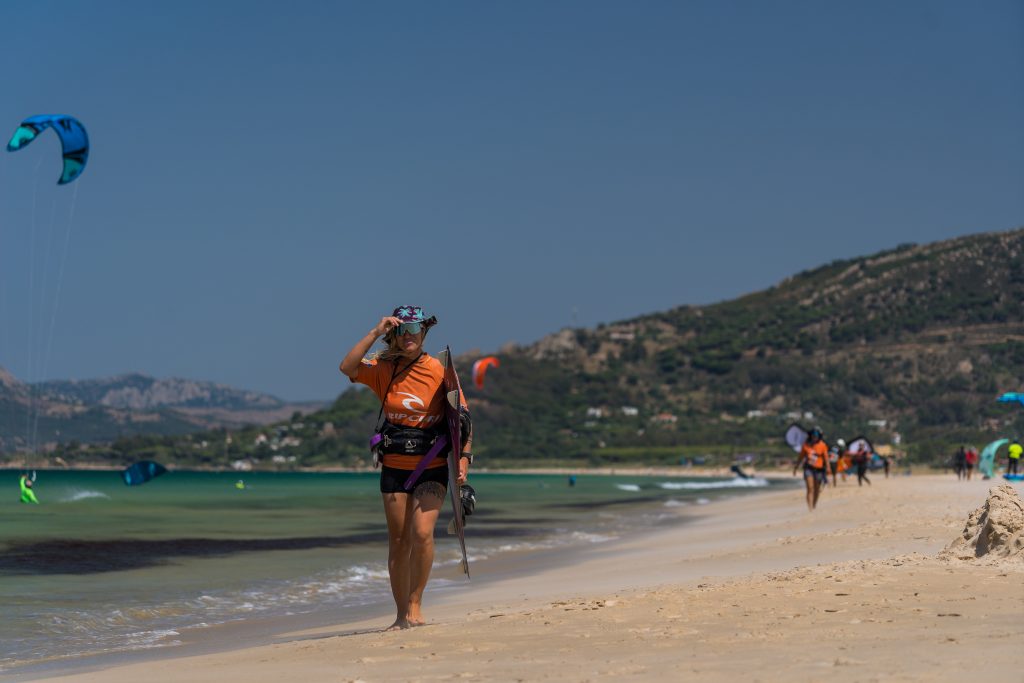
(751, 589)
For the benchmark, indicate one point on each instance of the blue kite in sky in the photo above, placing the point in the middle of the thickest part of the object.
(73, 139)
(1010, 397)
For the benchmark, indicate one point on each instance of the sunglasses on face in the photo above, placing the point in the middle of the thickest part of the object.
(408, 328)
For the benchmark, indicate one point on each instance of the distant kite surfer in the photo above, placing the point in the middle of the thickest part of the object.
(27, 494)
(414, 471)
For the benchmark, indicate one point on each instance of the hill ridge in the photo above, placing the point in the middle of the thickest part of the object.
(909, 345)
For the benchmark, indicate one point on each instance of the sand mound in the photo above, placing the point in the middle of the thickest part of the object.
(995, 531)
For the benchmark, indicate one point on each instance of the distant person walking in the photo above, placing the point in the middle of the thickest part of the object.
(970, 460)
(834, 454)
(960, 462)
(845, 463)
(860, 460)
(814, 458)
(1013, 458)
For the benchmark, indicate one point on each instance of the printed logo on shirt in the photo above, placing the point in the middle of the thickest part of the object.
(410, 403)
(417, 411)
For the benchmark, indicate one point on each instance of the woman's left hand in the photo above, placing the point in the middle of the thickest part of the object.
(463, 471)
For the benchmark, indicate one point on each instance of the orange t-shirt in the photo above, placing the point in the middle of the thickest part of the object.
(416, 399)
(816, 455)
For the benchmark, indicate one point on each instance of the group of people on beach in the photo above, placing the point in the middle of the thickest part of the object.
(964, 462)
(966, 459)
(818, 460)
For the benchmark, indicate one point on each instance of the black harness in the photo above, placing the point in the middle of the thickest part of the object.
(408, 440)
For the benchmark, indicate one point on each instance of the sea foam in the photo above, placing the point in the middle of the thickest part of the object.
(737, 482)
(76, 495)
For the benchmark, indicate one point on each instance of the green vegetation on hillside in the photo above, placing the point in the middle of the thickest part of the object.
(915, 342)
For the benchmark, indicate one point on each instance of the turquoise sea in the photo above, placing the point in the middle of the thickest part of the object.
(100, 568)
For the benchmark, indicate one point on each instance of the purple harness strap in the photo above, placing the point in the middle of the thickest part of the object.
(438, 446)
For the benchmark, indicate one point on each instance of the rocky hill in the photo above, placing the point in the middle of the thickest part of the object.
(141, 392)
(916, 341)
(102, 410)
(909, 346)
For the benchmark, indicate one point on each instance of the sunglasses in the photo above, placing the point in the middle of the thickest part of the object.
(408, 328)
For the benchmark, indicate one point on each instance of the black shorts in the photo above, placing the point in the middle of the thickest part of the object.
(818, 474)
(392, 480)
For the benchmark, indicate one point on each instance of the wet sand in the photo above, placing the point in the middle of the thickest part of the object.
(753, 589)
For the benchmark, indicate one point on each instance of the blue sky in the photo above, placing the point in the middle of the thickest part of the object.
(266, 180)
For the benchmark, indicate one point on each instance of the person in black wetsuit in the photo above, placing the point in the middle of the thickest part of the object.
(860, 460)
(960, 462)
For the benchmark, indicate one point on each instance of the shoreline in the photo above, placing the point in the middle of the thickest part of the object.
(592, 513)
(258, 631)
(639, 470)
(745, 579)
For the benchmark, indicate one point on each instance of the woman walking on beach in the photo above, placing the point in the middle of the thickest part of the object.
(409, 384)
(814, 457)
(970, 460)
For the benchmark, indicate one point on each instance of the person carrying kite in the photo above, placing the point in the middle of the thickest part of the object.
(410, 386)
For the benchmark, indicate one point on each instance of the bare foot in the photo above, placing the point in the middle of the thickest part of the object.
(399, 624)
(415, 617)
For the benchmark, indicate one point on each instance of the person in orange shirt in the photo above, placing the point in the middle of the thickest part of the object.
(814, 458)
(845, 463)
(409, 383)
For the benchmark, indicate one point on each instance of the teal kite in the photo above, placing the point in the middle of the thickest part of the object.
(73, 139)
(987, 462)
(141, 472)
